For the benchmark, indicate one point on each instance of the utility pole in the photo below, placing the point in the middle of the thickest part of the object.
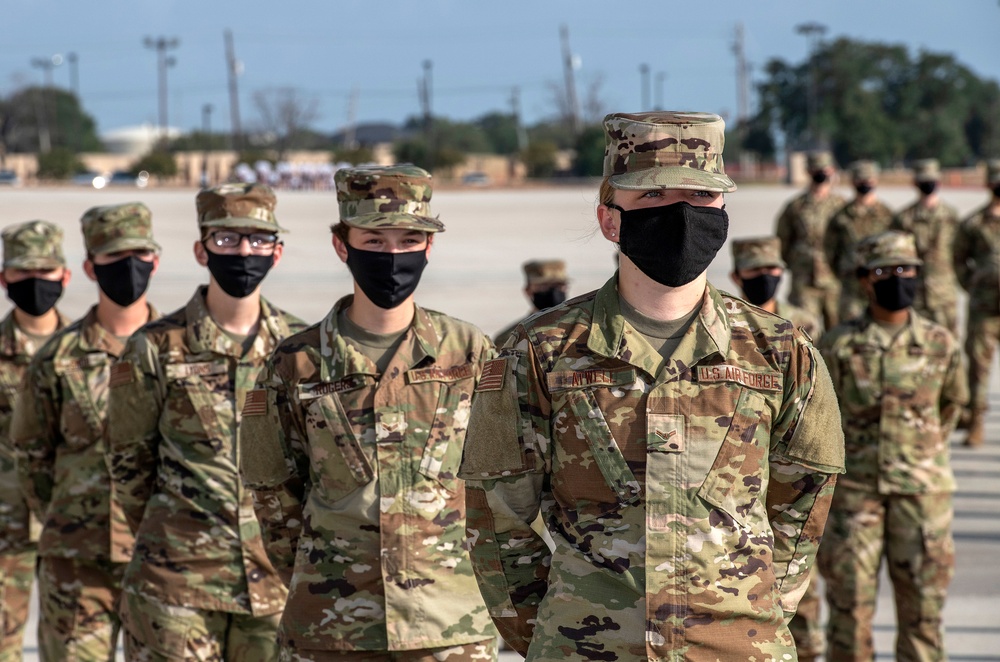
(644, 77)
(660, 77)
(569, 66)
(46, 64)
(814, 32)
(742, 80)
(206, 130)
(350, 131)
(425, 89)
(74, 86)
(161, 45)
(515, 109)
(234, 68)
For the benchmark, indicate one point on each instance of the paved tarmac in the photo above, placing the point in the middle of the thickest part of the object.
(474, 274)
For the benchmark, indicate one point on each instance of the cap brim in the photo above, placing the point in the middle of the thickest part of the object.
(395, 220)
(33, 263)
(887, 262)
(126, 244)
(234, 222)
(757, 264)
(673, 177)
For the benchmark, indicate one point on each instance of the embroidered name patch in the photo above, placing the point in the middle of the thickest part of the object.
(581, 378)
(764, 381)
(121, 373)
(436, 374)
(311, 391)
(182, 370)
(256, 403)
(493, 374)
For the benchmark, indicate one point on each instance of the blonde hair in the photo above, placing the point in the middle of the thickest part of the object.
(606, 194)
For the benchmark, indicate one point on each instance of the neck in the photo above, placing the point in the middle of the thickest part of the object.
(820, 190)
(371, 318)
(122, 321)
(889, 316)
(659, 302)
(929, 201)
(995, 205)
(239, 316)
(43, 325)
(771, 306)
(867, 200)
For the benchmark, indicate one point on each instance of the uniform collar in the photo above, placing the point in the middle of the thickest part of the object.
(14, 342)
(205, 335)
(340, 360)
(873, 334)
(95, 338)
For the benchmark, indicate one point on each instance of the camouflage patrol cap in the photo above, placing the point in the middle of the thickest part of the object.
(993, 172)
(544, 272)
(862, 170)
(757, 252)
(33, 245)
(398, 196)
(668, 149)
(818, 161)
(926, 170)
(114, 228)
(887, 249)
(238, 206)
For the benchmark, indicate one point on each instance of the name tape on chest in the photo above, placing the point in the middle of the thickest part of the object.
(581, 378)
(202, 369)
(91, 360)
(438, 374)
(312, 391)
(121, 374)
(255, 403)
(763, 381)
(493, 375)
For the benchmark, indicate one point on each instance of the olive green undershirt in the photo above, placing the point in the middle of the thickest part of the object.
(37, 339)
(892, 329)
(242, 339)
(378, 347)
(663, 336)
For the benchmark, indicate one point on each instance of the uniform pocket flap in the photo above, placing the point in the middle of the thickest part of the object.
(62, 366)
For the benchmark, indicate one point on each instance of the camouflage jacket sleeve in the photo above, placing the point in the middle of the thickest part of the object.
(785, 231)
(832, 245)
(807, 453)
(35, 435)
(961, 254)
(955, 392)
(274, 466)
(505, 484)
(134, 406)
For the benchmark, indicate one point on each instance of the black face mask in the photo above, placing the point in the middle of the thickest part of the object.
(125, 280)
(387, 279)
(760, 289)
(673, 244)
(819, 177)
(863, 189)
(895, 293)
(238, 275)
(548, 298)
(35, 296)
(996, 191)
(927, 187)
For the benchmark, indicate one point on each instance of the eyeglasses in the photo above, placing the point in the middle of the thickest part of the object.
(905, 271)
(260, 242)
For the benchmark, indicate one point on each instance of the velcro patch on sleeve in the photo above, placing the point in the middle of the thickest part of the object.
(493, 375)
(121, 373)
(256, 403)
(760, 380)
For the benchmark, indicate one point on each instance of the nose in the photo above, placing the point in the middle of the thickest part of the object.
(245, 246)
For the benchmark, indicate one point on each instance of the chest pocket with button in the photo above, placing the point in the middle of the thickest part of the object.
(442, 451)
(198, 404)
(84, 384)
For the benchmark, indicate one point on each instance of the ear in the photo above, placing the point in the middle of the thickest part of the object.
(3, 280)
(430, 242)
(65, 277)
(737, 281)
(88, 268)
(279, 250)
(609, 224)
(339, 248)
(200, 254)
(156, 264)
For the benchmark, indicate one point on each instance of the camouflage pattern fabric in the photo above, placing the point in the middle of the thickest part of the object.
(33, 245)
(686, 498)
(167, 633)
(977, 267)
(19, 528)
(475, 652)
(114, 228)
(373, 197)
(849, 226)
(174, 443)
(801, 319)
(913, 533)
(78, 615)
(238, 205)
(801, 227)
(355, 487)
(934, 230)
(544, 272)
(666, 149)
(501, 338)
(806, 628)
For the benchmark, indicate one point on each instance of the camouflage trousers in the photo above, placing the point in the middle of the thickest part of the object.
(160, 632)
(480, 651)
(17, 572)
(805, 626)
(78, 619)
(822, 302)
(980, 343)
(913, 533)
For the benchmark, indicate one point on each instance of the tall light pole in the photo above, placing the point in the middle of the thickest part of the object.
(161, 45)
(206, 129)
(660, 77)
(46, 64)
(74, 86)
(813, 32)
(426, 98)
(644, 75)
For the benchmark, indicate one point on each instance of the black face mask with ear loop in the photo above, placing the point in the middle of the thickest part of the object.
(387, 279)
(35, 296)
(124, 280)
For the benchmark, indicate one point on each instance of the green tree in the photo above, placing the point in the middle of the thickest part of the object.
(500, 131)
(539, 158)
(59, 163)
(415, 151)
(24, 111)
(353, 155)
(158, 163)
(589, 159)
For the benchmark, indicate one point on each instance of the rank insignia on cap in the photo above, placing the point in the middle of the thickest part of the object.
(256, 403)
(121, 373)
(492, 378)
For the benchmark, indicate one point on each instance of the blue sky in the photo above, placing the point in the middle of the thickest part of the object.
(480, 51)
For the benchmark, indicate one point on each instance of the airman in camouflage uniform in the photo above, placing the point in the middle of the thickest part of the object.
(352, 445)
(801, 227)
(757, 271)
(200, 586)
(977, 266)
(58, 433)
(901, 386)
(933, 224)
(860, 218)
(685, 480)
(34, 275)
(545, 286)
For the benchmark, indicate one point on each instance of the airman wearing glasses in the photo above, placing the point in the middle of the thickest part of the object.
(901, 385)
(200, 585)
